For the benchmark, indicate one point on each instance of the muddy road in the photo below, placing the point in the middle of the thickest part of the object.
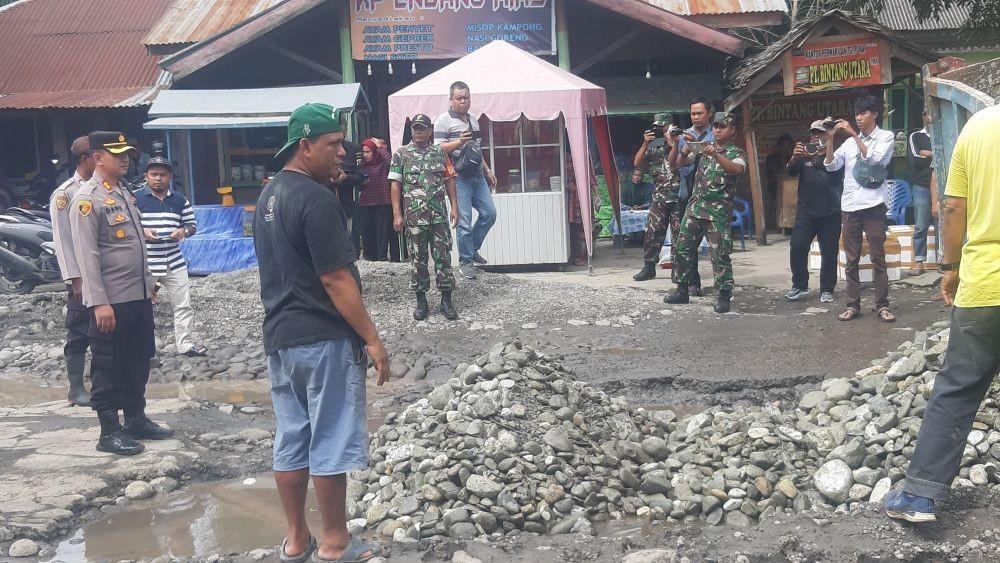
(625, 342)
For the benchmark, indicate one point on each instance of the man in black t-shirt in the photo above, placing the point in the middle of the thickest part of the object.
(919, 160)
(316, 335)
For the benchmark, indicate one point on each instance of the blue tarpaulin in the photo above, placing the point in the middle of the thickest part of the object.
(220, 245)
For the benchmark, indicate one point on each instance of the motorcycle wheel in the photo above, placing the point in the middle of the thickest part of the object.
(15, 286)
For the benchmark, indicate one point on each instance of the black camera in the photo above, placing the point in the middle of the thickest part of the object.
(830, 123)
(813, 148)
(675, 131)
(656, 131)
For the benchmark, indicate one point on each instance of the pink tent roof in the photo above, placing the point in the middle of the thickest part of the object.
(505, 82)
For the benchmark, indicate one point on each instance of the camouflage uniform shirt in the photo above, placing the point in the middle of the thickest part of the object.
(423, 173)
(666, 183)
(714, 188)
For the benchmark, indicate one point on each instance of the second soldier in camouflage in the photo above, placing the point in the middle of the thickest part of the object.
(421, 176)
(654, 152)
(709, 213)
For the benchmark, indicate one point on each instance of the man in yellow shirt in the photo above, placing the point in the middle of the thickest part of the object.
(971, 283)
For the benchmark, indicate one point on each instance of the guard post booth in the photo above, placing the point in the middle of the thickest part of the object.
(815, 71)
(222, 144)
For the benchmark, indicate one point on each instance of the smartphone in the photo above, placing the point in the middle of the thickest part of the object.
(476, 134)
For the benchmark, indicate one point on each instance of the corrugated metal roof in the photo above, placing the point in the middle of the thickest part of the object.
(900, 15)
(715, 7)
(190, 21)
(85, 53)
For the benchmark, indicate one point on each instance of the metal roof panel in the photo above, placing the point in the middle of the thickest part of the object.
(190, 21)
(53, 49)
(900, 15)
(715, 7)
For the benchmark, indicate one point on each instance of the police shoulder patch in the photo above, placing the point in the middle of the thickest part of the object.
(61, 202)
(85, 207)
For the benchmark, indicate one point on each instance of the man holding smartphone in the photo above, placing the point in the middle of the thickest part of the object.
(457, 132)
(817, 215)
(168, 219)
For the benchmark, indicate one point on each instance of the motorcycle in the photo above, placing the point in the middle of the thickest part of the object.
(27, 253)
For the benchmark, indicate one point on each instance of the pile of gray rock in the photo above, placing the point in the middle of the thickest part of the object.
(514, 443)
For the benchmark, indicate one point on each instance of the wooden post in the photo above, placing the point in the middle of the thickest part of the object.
(562, 35)
(756, 188)
(346, 58)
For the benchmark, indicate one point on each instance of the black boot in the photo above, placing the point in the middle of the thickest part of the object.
(113, 438)
(647, 272)
(138, 426)
(679, 296)
(722, 302)
(420, 313)
(447, 309)
(77, 394)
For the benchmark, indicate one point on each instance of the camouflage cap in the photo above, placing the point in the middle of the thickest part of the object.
(661, 119)
(724, 118)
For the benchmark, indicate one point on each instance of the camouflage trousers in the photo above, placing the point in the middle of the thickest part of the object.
(663, 215)
(434, 240)
(720, 239)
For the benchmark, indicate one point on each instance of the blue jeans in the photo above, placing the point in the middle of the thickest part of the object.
(473, 193)
(922, 213)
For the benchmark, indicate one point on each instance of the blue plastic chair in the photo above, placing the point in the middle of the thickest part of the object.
(741, 220)
(900, 197)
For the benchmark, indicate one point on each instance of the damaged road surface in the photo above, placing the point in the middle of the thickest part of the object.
(552, 422)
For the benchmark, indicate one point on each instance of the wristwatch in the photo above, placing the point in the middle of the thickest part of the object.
(953, 267)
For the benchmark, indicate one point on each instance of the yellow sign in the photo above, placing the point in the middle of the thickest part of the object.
(85, 207)
(120, 233)
(61, 202)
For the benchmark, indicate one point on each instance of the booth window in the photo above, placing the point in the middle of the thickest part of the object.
(525, 155)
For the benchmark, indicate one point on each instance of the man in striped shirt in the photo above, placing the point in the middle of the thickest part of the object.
(167, 219)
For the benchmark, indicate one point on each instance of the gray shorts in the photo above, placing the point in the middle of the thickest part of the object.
(318, 393)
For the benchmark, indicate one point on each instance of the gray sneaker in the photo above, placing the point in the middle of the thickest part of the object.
(795, 294)
(468, 270)
(826, 297)
(478, 259)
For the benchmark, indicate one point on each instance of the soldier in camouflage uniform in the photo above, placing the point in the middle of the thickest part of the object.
(664, 212)
(421, 174)
(709, 213)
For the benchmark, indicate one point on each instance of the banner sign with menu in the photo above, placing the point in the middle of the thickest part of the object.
(833, 64)
(390, 30)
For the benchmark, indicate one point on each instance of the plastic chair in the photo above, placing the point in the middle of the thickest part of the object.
(900, 197)
(741, 220)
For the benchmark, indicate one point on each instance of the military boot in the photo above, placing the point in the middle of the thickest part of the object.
(139, 427)
(77, 394)
(420, 313)
(647, 272)
(447, 309)
(113, 438)
(679, 296)
(723, 301)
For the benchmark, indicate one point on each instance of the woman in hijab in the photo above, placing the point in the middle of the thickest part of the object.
(378, 239)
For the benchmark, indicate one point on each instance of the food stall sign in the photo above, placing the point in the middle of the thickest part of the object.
(392, 30)
(836, 63)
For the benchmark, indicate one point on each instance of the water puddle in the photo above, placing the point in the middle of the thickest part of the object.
(232, 516)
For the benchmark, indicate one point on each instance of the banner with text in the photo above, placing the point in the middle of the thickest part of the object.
(776, 117)
(834, 64)
(390, 30)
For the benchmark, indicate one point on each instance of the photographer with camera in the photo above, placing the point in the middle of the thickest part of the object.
(817, 215)
(865, 159)
(657, 144)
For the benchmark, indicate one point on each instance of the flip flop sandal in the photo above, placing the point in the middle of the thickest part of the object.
(355, 553)
(849, 315)
(886, 316)
(300, 558)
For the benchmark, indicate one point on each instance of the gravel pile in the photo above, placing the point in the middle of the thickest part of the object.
(513, 443)
(228, 316)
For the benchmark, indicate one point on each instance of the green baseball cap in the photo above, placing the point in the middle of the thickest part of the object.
(661, 119)
(309, 121)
